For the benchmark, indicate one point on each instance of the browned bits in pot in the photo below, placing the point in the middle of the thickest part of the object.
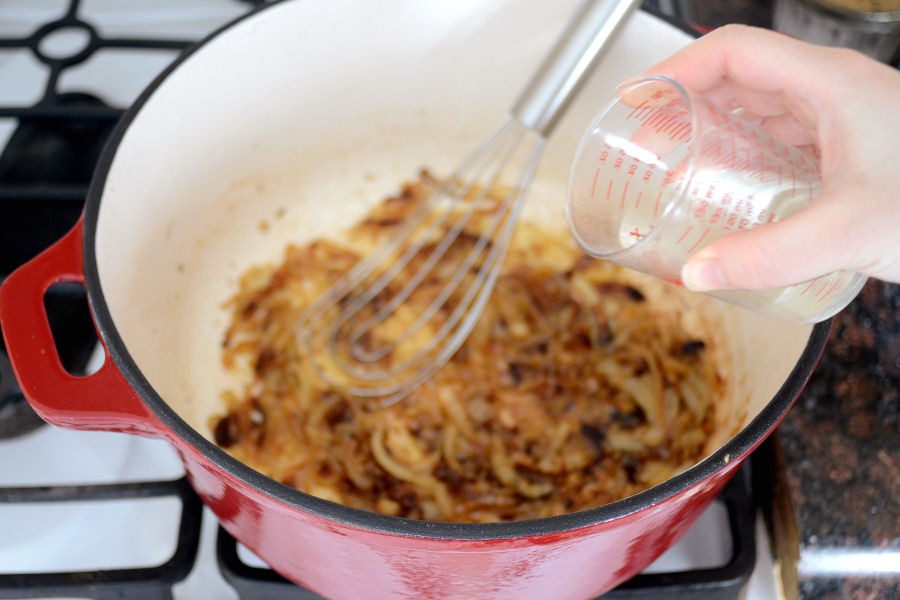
(573, 390)
(616, 287)
(226, 431)
(692, 347)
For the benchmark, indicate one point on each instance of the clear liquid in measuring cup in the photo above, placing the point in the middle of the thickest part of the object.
(654, 192)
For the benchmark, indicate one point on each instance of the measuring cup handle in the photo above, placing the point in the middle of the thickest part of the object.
(101, 401)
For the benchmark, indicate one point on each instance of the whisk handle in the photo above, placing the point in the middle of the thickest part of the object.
(560, 76)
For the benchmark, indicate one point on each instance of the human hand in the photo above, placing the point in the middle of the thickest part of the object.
(841, 105)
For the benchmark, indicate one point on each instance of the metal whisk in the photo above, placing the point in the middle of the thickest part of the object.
(361, 335)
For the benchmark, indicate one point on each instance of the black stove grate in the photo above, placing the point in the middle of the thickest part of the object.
(45, 168)
(140, 583)
(720, 583)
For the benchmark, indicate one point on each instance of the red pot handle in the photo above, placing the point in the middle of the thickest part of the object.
(101, 401)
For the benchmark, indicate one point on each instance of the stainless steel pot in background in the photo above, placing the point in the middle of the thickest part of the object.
(871, 27)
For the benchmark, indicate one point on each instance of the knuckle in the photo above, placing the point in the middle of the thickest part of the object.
(848, 67)
(847, 58)
(732, 31)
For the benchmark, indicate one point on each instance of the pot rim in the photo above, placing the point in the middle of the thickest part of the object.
(730, 454)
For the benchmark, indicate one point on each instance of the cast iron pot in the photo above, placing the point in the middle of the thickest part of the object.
(287, 124)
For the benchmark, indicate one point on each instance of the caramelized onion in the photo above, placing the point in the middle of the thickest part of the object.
(574, 389)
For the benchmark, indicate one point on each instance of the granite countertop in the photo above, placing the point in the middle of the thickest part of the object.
(836, 519)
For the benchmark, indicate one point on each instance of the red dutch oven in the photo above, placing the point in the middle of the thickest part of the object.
(288, 124)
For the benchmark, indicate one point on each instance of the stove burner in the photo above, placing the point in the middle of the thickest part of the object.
(50, 34)
(44, 173)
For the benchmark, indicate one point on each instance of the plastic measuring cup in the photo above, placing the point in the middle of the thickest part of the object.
(661, 173)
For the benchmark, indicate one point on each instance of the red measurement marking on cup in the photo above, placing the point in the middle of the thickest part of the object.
(656, 207)
(653, 118)
(609, 189)
(624, 194)
(637, 201)
(831, 289)
(594, 183)
(806, 289)
(673, 126)
(662, 120)
(665, 125)
(700, 239)
(685, 234)
(637, 108)
(642, 112)
(683, 132)
(656, 115)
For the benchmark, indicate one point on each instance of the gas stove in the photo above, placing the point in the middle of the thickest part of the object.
(104, 515)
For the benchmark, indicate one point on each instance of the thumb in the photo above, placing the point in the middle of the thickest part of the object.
(799, 248)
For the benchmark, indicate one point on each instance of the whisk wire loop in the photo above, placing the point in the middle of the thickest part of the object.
(447, 240)
(337, 345)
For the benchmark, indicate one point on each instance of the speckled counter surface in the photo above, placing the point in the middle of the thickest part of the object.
(837, 508)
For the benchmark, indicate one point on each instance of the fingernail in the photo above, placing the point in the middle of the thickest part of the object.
(628, 82)
(703, 275)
